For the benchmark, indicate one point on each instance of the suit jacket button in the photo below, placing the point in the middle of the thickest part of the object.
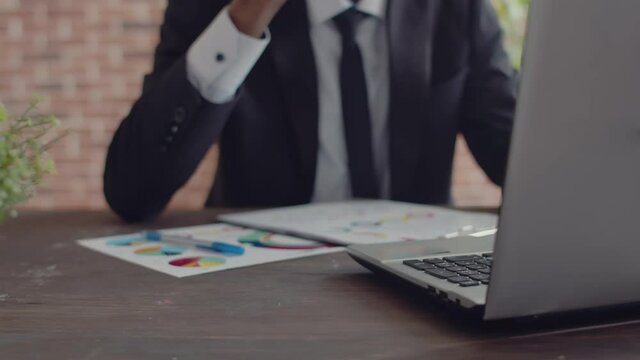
(180, 115)
(168, 139)
(220, 57)
(174, 129)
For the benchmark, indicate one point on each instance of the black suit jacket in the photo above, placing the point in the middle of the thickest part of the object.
(449, 75)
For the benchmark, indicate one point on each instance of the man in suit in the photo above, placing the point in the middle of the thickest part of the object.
(315, 100)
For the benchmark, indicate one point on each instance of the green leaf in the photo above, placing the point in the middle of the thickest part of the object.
(24, 161)
(4, 114)
(513, 16)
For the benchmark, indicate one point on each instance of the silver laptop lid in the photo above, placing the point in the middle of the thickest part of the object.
(569, 234)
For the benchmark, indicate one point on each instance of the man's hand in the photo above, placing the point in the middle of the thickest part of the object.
(253, 16)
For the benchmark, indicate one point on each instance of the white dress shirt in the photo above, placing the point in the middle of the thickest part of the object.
(221, 58)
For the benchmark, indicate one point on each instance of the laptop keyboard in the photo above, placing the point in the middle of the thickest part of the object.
(464, 270)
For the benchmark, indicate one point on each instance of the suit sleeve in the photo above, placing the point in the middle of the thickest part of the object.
(170, 127)
(490, 94)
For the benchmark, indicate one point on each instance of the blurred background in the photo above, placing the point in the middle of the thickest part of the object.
(87, 59)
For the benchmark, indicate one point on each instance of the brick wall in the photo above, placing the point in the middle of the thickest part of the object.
(87, 57)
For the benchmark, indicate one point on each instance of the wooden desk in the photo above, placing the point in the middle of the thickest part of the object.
(61, 301)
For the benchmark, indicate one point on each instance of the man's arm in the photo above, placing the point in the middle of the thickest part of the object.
(490, 94)
(172, 125)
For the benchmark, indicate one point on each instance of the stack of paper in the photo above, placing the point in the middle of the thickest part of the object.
(364, 222)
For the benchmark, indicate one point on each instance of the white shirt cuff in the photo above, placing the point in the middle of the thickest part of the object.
(220, 59)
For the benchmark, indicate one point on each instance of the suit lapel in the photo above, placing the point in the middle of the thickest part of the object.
(294, 61)
(410, 30)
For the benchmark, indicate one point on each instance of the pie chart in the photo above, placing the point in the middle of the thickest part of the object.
(165, 250)
(201, 261)
(280, 242)
(127, 241)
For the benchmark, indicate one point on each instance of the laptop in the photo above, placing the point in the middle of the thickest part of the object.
(569, 231)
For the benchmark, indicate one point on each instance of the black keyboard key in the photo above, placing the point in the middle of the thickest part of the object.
(486, 262)
(433, 261)
(476, 267)
(467, 273)
(461, 258)
(465, 262)
(446, 265)
(480, 277)
(441, 273)
(418, 265)
(410, 262)
(457, 268)
(485, 271)
(458, 279)
(469, 283)
(423, 267)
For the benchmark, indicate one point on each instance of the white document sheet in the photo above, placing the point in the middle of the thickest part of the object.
(365, 221)
(181, 261)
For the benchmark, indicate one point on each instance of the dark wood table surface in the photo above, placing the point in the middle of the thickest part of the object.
(61, 301)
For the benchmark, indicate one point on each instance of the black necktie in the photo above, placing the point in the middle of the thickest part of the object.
(355, 109)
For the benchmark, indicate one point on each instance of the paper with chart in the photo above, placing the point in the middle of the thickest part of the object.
(364, 221)
(181, 261)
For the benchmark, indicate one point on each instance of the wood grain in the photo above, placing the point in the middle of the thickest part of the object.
(61, 301)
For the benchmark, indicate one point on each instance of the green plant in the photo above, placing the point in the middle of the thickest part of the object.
(513, 18)
(24, 162)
